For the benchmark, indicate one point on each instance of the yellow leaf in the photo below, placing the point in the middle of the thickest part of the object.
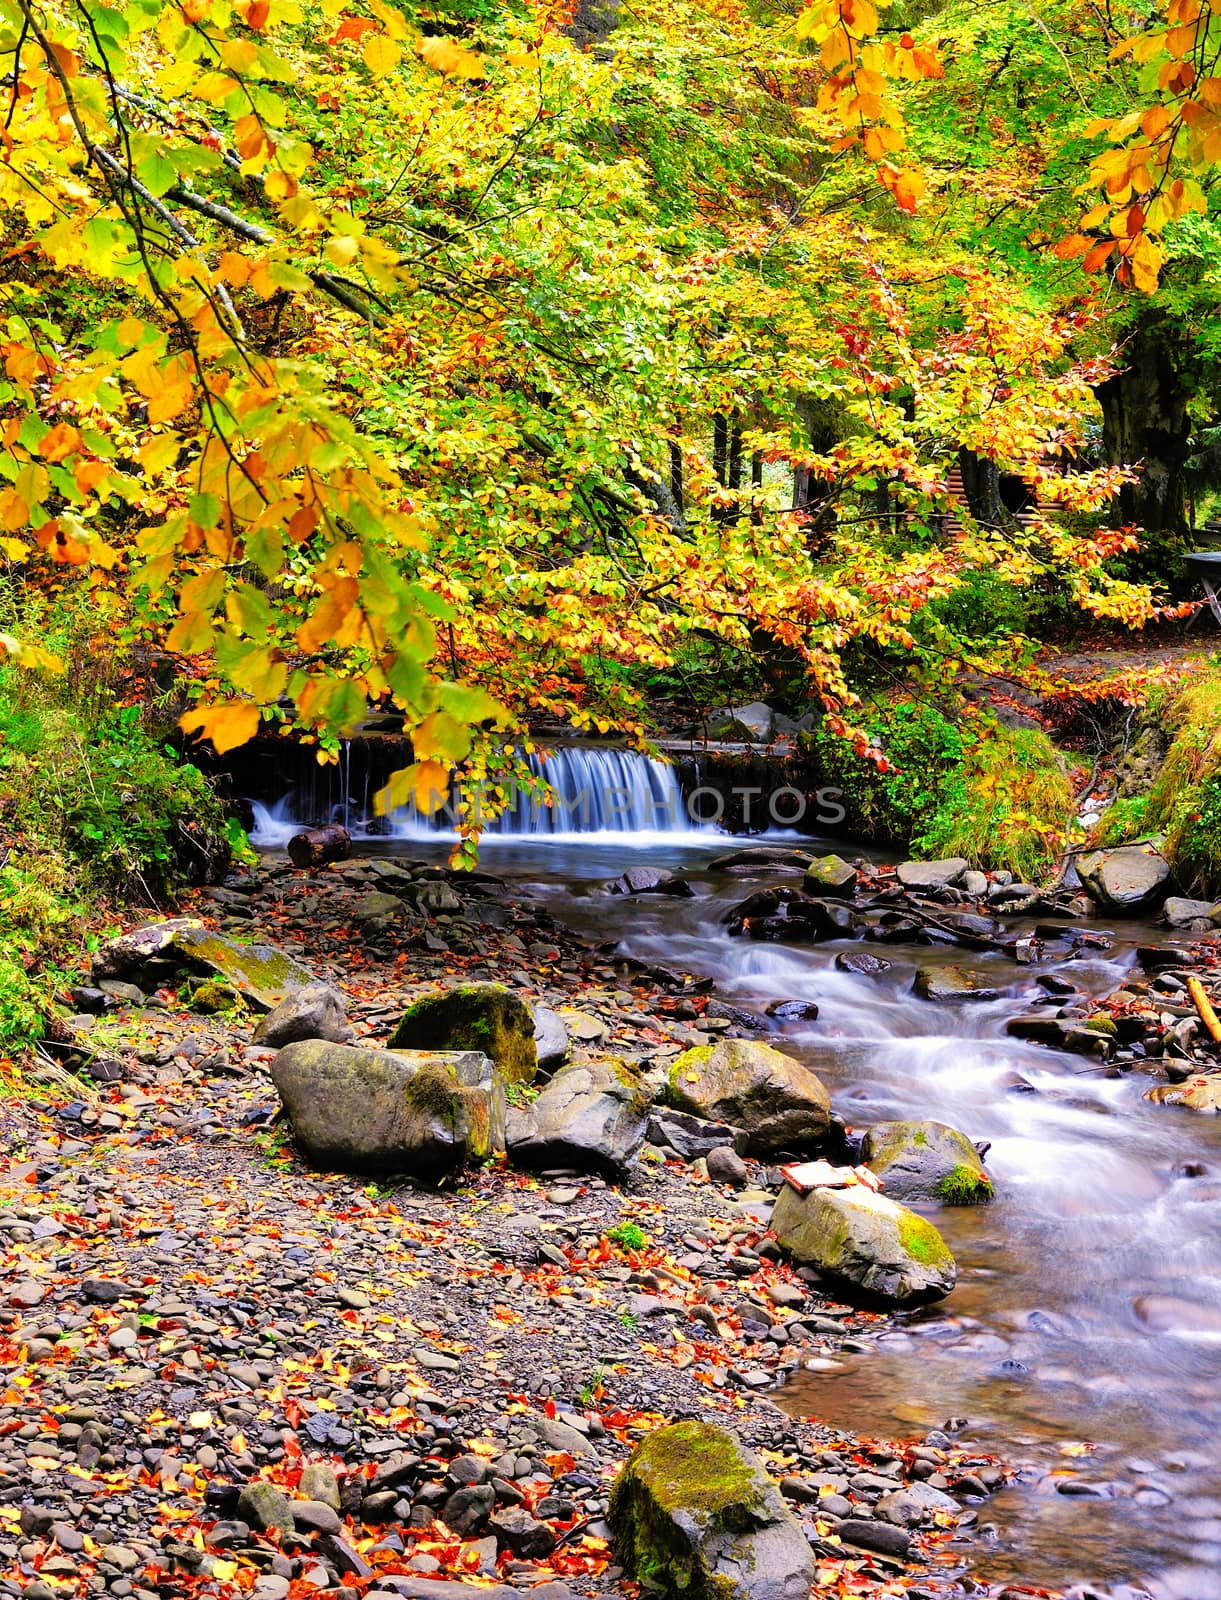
(233, 723)
(452, 58)
(341, 252)
(425, 784)
(223, 1571)
(381, 55)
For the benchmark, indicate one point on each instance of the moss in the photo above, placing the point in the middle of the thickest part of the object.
(683, 1481)
(965, 1186)
(919, 1137)
(1100, 1022)
(212, 996)
(676, 1093)
(921, 1241)
(1185, 800)
(432, 1092)
(256, 969)
(486, 1017)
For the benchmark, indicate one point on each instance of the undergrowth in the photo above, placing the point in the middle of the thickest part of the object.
(997, 796)
(95, 806)
(1185, 800)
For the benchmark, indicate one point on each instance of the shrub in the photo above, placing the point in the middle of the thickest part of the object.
(1185, 800)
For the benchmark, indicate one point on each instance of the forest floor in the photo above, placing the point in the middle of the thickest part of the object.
(443, 1382)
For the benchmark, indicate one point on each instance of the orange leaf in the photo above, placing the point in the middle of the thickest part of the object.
(233, 723)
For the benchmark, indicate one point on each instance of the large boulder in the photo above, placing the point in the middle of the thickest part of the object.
(592, 1116)
(864, 1241)
(125, 956)
(926, 1161)
(1128, 881)
(775, 1102)
(650, 880)
(1181, 913)
(260, 973)
(473, 1016)
(317, 1011)
(831, 876)
(931, 874)
(693, 1514)
(404, 1111)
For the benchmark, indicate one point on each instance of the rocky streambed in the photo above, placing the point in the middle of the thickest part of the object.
(229, 1372)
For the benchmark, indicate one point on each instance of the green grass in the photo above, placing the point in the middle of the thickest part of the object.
(1185, 800)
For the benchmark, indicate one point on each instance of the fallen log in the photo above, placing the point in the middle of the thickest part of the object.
(1203, 1005)
(316, 846)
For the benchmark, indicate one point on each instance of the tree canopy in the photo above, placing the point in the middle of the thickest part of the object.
(470, 361)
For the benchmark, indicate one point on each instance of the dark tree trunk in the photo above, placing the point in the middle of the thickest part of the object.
(720, 447)
(676, 476)
(735, 456)
(318, 845)
(1144, 420)
(981, 484)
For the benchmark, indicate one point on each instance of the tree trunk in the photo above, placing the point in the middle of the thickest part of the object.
(981, 484)
(720, 447)
(1144, 420)
(676, 475)
(735, 456)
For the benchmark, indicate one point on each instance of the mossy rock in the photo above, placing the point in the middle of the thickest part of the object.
(485, 1017)
(866, 1242)
(775, 1101)
(211, 997)
(694, 1515)
(259, 972)
(400, 1111)
(926, 1161)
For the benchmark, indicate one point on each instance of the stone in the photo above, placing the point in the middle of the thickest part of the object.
(931, 874)
(862, 962)
(726, 1166)
(926, 1161)
(689, 1137)
(316, 1011)
(523, 1534)
(751, 724)
(650, 880)
(552, 1045)
(947, 984)
(1129, 880)
(915, 1503)
(883, 1537)
(122, 957)
(1180, 913)
(831, 876)
(259, 972)
(1201, 1093)
(974, 883)
(315, 1515)
(865, 1241)
(775, 1102)
(377, 912)
(318, 1482)
(263, 1506)
(694, 1514)
(390, 1110)
(473, 1016)
(592, 1116)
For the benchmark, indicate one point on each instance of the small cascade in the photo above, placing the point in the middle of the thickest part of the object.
(596, 792)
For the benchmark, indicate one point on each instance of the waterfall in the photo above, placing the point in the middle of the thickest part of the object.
(596, 792)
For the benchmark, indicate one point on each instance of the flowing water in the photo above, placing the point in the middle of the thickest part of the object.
(1084, 1337)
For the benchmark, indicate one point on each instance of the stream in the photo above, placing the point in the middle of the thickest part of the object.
(1084, 1338)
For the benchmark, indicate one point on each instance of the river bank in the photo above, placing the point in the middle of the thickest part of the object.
(189, 1307)
(515, 1297)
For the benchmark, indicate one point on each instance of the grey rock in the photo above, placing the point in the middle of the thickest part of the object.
(315, 1515)
(776, 1102)
(931, 874)
(523, 1534)
(316, 1011)
(1180, 913)
(915, 1503)
(691, 1137)
(751, 724)
(726, 1166)
(318, 1482)
(263, 1506)
(390, 1110)
(695, 1507)
(130, 951)
(377, 912)
(867, 1242)
(551, 1042)
(926, 1161)
(260, 972)
(1129, 880)
(592, 1115)
(883, 1537)
(831, 876)
(473, 1016)
(563, 1437)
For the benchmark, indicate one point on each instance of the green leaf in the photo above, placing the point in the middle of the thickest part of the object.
(157, 173)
